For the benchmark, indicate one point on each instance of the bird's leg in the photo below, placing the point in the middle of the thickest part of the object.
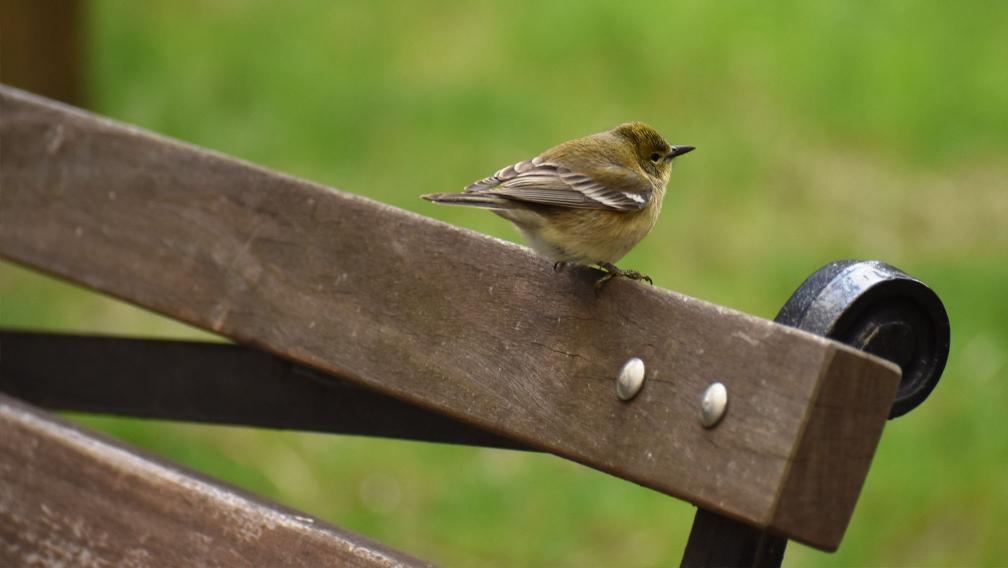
(611, 271)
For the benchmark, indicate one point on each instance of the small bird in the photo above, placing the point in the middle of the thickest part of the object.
(586, 201)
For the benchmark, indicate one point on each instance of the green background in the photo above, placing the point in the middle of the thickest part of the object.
(825, 130)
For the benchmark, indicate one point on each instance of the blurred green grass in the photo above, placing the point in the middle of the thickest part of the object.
(824, 131)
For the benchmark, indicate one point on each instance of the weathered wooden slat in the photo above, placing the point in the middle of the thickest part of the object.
(73, 498)
(447, 319)
(199, 381)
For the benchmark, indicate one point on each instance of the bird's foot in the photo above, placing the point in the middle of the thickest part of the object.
(559, 265)
(611, 271)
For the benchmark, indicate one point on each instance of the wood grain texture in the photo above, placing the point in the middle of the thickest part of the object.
(440, 317)
(72, 498)
(840, 437)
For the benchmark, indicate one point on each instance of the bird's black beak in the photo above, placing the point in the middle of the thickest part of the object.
(678, 151)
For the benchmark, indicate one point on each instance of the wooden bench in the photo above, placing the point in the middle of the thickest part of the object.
(350, 316)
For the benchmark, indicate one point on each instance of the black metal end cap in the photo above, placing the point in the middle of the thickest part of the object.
(879, 309)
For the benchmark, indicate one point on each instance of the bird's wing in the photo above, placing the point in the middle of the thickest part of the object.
(547, 183)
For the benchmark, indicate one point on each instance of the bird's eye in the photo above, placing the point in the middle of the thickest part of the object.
(655, 157)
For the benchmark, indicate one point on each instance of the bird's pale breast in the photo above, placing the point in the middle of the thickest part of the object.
(591, 235)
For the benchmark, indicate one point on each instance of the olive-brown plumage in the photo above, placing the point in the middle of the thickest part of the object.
(585, 201)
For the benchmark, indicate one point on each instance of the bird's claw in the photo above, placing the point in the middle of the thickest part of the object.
(601, 282)
(611, 271)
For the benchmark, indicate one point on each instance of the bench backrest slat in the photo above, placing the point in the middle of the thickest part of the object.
(447, 319)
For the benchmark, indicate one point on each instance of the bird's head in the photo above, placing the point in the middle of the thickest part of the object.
(653, 154)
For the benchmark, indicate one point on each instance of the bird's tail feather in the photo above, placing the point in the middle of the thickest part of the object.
(470, 199)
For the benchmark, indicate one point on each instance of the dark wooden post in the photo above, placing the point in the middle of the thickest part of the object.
(43, 48)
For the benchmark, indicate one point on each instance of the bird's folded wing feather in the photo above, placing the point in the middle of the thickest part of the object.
(547, 183)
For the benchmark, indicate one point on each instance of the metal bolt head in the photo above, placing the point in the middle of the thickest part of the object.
(630, 379)
(713, 404)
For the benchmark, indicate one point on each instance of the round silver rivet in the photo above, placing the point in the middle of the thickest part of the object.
(713, 404)
(630, 379)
